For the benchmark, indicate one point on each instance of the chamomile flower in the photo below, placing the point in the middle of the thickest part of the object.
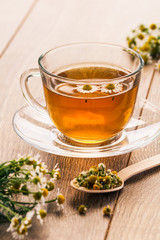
(60, 200)
(153, 26)
(55, 174)
(82, 209)
(146, 41)
(41, 167)
(50, 186)
(107, 210)
(27, 220)
(36, 184)
(44, 192)
(146, 57)
(101, 166)
(14, 223)
(20, 232)
(41, 213)
(84, 173)
(38, 197)
(19, 226)
(86, 88)
(112, 88)
(28, 178)
(157, 66)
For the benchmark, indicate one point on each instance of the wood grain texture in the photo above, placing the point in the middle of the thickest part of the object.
(139, 167)
(12, 15)
(52, 23)
(138, 205)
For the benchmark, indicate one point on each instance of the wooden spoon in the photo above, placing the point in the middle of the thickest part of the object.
(125, 174)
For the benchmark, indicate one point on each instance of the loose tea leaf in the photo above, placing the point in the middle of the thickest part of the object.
(98, 178)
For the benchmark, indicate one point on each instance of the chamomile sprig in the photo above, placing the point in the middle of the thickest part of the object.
(145, 39)
(30, 179)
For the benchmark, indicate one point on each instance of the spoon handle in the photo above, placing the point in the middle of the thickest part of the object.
(139, 167)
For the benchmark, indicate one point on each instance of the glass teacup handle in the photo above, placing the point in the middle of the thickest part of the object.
(26, 92)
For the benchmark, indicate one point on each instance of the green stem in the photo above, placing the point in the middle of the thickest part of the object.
(19, 205)
(23, 202)
(21, 191)
(3, 165)
(8, 210)
(53, 200)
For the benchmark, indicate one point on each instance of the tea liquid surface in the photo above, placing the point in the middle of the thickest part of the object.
(90, 112)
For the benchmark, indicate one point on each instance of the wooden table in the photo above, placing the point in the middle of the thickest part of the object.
(29, 28)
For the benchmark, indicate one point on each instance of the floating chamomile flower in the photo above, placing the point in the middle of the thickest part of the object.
(112, 88)
(86, 88)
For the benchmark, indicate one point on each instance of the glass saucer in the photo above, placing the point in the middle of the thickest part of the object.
(39, 131)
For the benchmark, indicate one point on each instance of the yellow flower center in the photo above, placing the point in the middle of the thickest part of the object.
(60, 199)
(21, 230)
(42, 170)
(145, 58)
(145, 47)
(151, 38)
(15, 222)
(44, 192)
(87, 87)
(107, 210)
(42, 213)
(36, 180)
(50, 186)
(58, 175)
(107, 179)
(110, 86)
(96, 187)
(92, 179)
(82, 209)
(114, 172)
(140, 36)
(153, 26)
(37, 195)
(142, 27)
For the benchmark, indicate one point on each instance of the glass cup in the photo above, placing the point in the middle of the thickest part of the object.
(90, 90)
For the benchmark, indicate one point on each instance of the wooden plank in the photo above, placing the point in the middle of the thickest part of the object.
(138, 205)
(12, 15)
(50, 24)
